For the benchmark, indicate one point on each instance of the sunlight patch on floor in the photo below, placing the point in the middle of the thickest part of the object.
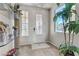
(40, 45)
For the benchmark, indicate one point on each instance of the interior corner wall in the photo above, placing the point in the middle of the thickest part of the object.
(55, 38)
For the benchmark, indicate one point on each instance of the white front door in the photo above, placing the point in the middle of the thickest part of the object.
(36, 28)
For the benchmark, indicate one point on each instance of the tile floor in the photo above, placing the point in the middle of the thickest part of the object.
(27, 50)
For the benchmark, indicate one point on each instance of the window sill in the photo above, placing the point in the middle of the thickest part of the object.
(62, 32)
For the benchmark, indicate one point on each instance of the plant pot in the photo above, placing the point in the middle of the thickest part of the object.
(69, 53)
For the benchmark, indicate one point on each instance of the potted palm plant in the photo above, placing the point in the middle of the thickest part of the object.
(68, 49)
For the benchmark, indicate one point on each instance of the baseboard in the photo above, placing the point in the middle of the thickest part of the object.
(52, 44)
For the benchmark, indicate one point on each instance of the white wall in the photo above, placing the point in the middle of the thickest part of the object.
(56, 38)
(7, 17)
(5, 49)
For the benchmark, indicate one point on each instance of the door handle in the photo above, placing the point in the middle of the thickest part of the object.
(34, 28)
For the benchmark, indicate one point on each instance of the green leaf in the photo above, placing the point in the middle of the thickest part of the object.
(74, 49)
(76, 30)
(65, 13)
(69, 6)
(57, 15)
(71, 26)
(63, 49)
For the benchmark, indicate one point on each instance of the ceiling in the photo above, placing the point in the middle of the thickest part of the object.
(41, 5)
(4, 6)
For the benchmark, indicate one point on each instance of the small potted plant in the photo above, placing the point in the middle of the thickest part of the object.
(68, 49)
